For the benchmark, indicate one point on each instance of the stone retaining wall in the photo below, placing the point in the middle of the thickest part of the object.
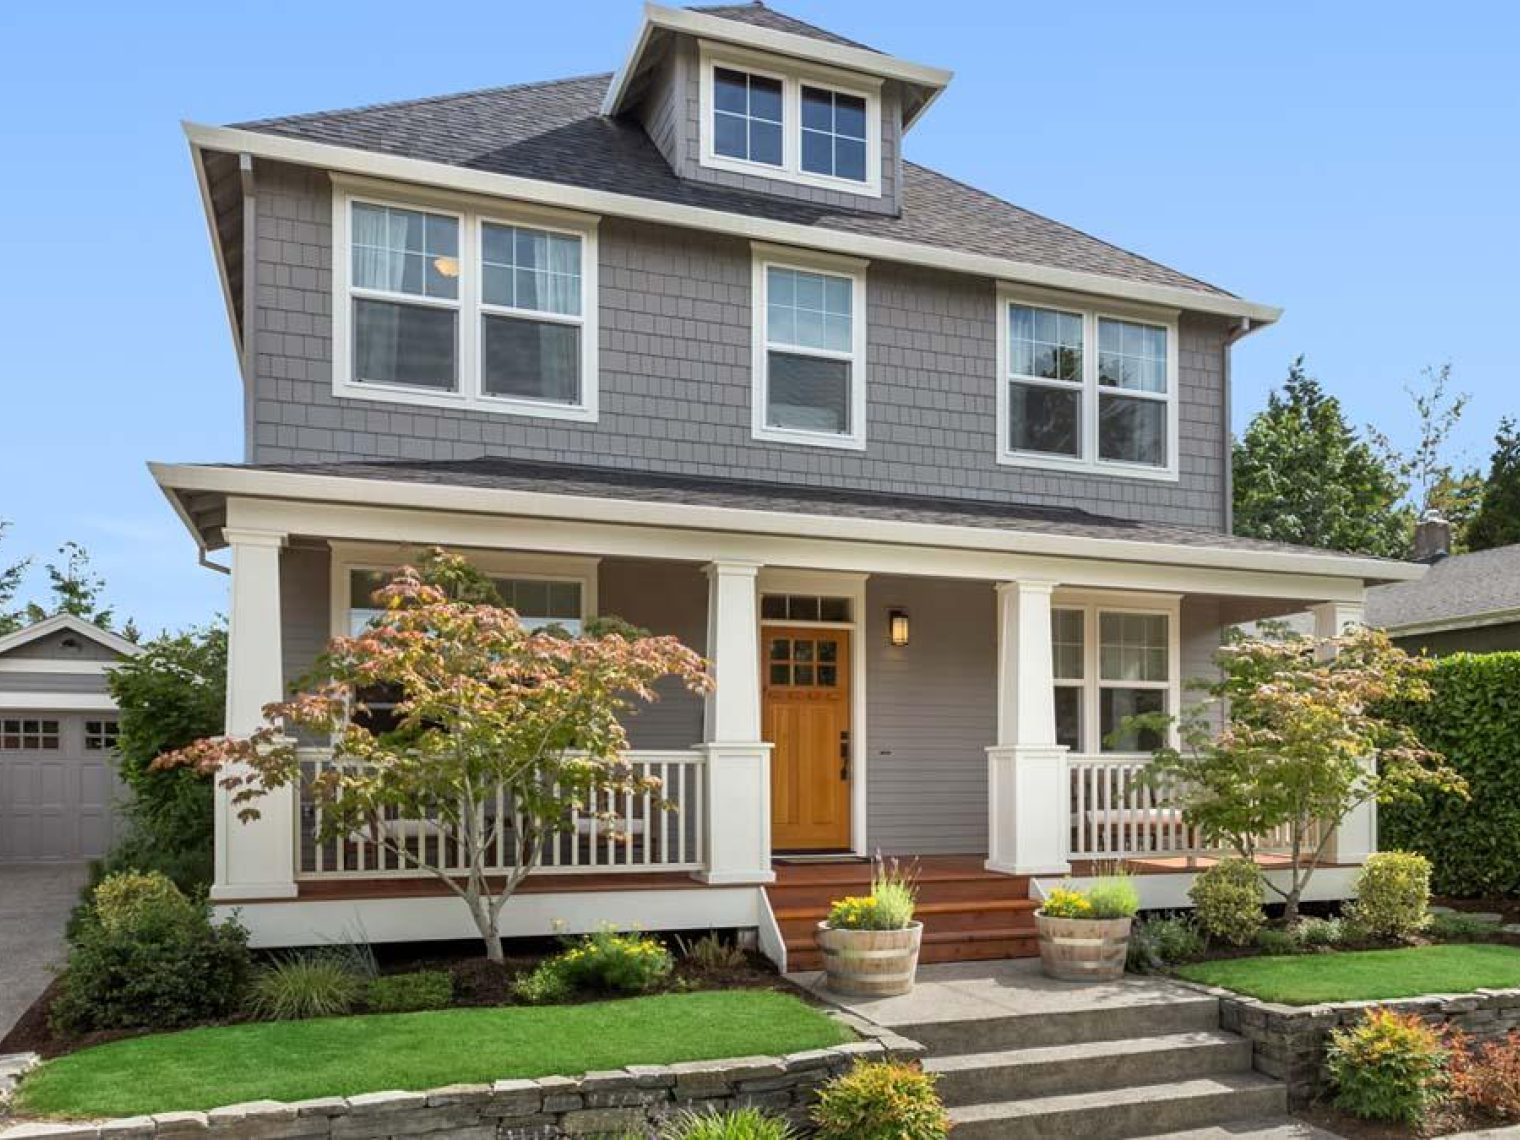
(616, 1103)
(1289, 1041)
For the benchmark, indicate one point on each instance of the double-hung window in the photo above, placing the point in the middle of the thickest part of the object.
(539, 601)
(1109, 664)
(1082, 389)
(464, 307)
(809, 359)
(812, 125)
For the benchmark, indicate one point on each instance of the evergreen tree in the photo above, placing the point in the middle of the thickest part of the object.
(10, 583)
(1303, 475)
(1497, 522)
(76, 589)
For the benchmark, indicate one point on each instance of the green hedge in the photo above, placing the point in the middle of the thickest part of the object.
(1474, 720)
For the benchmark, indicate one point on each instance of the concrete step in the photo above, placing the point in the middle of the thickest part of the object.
(1278, 1128)
(1056, 1024)
(969, 1078)
(1116, 1114)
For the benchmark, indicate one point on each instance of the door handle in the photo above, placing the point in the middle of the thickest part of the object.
(844, 755)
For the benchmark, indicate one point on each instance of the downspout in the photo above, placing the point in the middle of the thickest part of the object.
(250, 306)
(1240, 331)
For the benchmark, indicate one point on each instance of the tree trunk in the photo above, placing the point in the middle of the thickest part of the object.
(485, 921)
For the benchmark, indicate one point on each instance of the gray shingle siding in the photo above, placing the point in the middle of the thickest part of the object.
(50, 648)
(664, 598)
(54, 683)
(675, 378)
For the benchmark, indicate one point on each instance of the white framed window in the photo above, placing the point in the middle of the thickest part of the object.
(1111, 659)
(1086, 389)
(778, 119)
(454, 302)
(809, 348)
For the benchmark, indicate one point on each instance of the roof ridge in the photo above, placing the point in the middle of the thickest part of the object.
(422, 101)
(990, 196)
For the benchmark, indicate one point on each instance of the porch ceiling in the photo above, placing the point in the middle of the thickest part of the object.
(594, 494)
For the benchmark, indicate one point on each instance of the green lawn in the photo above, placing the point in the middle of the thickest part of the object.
(293, 1060)
(1365, 975)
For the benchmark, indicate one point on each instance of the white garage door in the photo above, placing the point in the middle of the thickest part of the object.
(58, 786)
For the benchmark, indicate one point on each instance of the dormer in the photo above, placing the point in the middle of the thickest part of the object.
(745, 97)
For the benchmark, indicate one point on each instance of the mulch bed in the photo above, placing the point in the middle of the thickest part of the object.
(477, 983)
(1443, 1121)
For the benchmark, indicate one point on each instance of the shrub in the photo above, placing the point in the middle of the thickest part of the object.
(889, 906)
(408, 993)
(1474, 720)
(122, 900)
(1488, 1077)
(161, 964)
(298, 986)
(711, 954)
(1161, 942)
(1388, 1066)
(1458, 928)
(605, 961)
(881, 1100)
(739, 1124)
(1113, 896)
(1228, 901)
(1392, 895)
(1276, 943)
(1066, 902)
(1319, 933)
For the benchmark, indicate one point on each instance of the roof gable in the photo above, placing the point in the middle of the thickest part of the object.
(756, 14)
(68, 623)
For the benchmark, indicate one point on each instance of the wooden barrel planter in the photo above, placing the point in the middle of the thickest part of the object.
(870, 963)
(1083, 949)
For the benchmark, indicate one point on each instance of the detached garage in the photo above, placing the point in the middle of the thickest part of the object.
(58, 784)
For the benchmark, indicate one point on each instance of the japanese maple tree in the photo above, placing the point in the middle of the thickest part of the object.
(481, 703)
(1306, 739)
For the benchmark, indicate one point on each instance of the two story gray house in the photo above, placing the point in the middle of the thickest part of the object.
(940, 486)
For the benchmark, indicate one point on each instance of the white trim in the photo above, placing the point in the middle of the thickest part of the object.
(347, 556)
(1090, 392)
(352, 160)
(838, 584)
(792, 77)
(59, 702)
(684, 21)
(472, 214)
(64, 621)
(982, 547)
(765, 258)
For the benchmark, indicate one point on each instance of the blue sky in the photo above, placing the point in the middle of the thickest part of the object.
(1356, 163)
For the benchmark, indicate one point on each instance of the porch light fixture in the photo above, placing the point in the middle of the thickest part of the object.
(897, 627)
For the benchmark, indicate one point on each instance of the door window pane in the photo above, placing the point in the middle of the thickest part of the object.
(407, 345)
(1132, 431)
(531, 360)
(1117, 704)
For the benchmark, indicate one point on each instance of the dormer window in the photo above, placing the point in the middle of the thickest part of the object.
(794, 122)
(747, 117)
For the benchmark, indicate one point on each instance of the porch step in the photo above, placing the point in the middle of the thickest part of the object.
(966, 1078)
(1114, 1114)
(1276, 1128)
(802, 953)
(1051, 1027)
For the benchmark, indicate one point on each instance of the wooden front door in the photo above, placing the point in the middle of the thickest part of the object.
(806, 676)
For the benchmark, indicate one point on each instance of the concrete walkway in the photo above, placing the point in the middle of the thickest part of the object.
(35, 900)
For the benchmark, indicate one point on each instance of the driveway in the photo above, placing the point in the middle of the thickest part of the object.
(35, 900)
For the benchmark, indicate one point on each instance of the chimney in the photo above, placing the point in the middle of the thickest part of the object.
(1432, 538)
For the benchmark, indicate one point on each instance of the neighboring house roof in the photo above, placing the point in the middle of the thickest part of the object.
(736, 494)
(758, 15)
(60, 623)
(1460, 591)
(554, 132)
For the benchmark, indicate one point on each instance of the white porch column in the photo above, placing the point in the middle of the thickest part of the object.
(738, 770)
(1356, 837)
(255, 859)
(1029, 809)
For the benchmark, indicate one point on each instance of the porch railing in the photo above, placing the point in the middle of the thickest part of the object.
(660, 830)
(1117, 814)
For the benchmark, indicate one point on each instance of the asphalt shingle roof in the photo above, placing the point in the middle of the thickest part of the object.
(554, 132)
(1462, 586)
(758, 15)
(736, 494)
